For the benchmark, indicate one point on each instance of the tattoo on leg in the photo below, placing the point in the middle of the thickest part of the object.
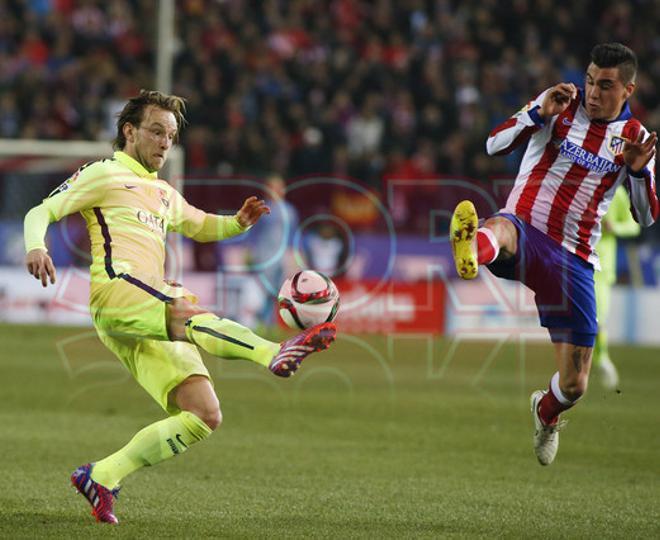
(577, 359)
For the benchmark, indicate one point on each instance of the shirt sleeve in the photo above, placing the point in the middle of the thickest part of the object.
(84, 189)
(645, 207)
(199, 225)
(517, 130)
(35, 226)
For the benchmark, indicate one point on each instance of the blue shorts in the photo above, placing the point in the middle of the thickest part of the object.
(563, 284)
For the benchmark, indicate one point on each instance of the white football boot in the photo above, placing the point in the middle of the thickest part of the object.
(546, 438)
(609, 376)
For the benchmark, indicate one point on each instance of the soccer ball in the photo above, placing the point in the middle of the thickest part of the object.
(307, 299)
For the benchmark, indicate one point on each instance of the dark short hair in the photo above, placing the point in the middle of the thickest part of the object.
(609, 55)
(133, 112)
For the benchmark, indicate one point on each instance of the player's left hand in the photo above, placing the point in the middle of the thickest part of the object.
(636, 154)
(251, 211)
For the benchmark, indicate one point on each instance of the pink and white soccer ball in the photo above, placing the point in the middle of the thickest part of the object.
(308, 298)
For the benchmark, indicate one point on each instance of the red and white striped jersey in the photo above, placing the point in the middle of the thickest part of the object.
(570, 171)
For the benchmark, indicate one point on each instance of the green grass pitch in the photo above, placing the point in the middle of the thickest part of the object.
(379, 437)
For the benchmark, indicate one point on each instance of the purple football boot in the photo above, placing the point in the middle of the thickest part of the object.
(101, 498)
(293, 351)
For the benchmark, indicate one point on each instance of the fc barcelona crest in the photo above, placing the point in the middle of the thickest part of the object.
(616, 144)
(163, 197)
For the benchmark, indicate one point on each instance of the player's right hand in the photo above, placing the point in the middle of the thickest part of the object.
(40, 265)
(557, 99)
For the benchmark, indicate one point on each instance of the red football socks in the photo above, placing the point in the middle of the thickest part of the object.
(487, 246)
(553, 403)
(549, 408)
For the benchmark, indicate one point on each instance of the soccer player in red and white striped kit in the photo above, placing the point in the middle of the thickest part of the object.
(582, 144)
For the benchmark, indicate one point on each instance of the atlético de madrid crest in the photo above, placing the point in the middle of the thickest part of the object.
(616, 144)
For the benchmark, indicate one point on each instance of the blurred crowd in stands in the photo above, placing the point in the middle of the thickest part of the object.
(364, 89)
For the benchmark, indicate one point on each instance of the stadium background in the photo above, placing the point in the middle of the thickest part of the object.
(376, 115)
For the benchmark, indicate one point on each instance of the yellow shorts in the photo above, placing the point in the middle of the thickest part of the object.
(129, 315)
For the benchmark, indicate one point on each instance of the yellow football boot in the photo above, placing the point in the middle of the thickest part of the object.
(462, 234)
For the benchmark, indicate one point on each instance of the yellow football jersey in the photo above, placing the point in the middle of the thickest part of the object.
(129, 211)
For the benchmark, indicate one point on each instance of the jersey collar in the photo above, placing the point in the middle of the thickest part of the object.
(625, 113)
(133, 165)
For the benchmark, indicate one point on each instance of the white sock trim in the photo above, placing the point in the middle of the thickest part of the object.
(554, 388)
(492, 239)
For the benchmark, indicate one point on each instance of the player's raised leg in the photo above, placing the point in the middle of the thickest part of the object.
(293, 351)
(462, 235)
(473, 245)
(566, 387)
(228, 339)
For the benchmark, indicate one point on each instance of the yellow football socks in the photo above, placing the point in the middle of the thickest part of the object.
(228, 339)
(153, 444)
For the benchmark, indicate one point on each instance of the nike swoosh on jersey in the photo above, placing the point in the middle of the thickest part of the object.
(129, 187)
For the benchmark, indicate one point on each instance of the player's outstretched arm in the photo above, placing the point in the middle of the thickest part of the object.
(203, 227)
(40, 265)
(84, 189)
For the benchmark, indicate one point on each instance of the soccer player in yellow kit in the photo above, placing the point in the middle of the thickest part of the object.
(153, 326)
(617, 223)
